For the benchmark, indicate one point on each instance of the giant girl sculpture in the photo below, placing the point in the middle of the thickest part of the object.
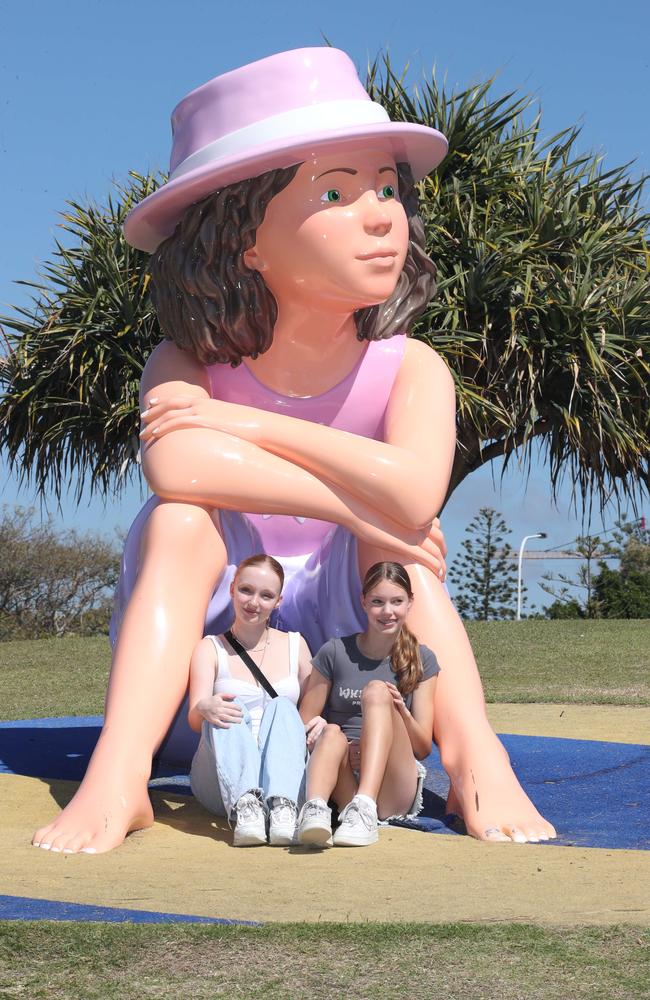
(287, 411)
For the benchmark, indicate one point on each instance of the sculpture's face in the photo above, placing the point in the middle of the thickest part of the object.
(336, 237)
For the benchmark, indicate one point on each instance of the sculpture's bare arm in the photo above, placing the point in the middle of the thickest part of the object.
(200, 464)
(418, 450)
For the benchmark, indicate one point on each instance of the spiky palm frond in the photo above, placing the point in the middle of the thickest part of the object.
(70, 410)
(543, 307)
(542, 312)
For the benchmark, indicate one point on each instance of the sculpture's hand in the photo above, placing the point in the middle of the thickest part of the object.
(437, 538)
(219, 711)
(181, 412)
(425, 547)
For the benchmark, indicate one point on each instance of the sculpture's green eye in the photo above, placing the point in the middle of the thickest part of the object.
(388, 191)
(331, 196)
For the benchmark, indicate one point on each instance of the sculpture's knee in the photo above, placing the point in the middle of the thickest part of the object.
(375, 693)
(179, 527)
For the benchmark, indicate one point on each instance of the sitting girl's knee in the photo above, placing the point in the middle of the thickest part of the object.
(375, 693)
(333, 733)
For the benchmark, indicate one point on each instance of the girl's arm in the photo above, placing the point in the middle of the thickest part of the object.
(419, 721)
(419, 427)
(312, 703)
(203, 704)
(205, 466)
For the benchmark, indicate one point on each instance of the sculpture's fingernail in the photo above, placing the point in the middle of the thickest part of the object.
(88, 850)
(45, 847)
(55, 850)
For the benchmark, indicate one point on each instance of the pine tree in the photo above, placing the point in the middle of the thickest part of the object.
(485, 575)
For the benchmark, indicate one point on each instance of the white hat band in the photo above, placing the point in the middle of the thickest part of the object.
(294, 124)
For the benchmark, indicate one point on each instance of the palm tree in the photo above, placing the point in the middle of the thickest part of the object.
(542, 311)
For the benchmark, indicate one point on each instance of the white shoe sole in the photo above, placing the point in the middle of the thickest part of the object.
(350, 840)
(248, 840)
(282, 838)
(315, 836)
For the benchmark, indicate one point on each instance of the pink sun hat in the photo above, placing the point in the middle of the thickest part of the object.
(273, 113)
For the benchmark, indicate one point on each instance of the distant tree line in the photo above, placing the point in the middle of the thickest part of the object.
(600, 591)
(486, 578)
(53, 583)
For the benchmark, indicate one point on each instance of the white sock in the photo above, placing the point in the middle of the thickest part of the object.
(367, 798)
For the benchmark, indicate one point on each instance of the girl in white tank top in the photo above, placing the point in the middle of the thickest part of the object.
(250, 762)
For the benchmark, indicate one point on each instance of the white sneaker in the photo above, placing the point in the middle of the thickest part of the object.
(315, 824)
(282, 821)
(250, 821)
(358, 825)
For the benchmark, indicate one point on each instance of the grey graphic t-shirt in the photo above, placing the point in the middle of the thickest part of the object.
(343, 663)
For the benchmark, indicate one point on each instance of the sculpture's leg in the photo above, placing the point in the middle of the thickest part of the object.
(484, 788)
(182, 556)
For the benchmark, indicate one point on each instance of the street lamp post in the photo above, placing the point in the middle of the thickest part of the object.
(538, 534)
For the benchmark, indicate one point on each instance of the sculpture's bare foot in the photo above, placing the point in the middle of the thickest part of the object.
(486, 794)
(99, 816)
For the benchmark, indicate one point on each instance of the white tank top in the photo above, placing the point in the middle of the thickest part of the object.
(254, 697)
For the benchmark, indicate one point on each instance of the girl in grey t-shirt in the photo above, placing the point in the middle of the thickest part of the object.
(368, 712)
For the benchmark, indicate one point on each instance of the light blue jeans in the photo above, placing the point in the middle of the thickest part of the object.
(230, 761)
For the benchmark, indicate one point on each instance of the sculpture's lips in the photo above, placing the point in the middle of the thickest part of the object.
(376, 254)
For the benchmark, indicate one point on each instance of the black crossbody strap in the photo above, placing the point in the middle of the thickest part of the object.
(251, 664)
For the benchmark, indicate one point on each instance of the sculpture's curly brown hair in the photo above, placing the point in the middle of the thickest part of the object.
(211, 304)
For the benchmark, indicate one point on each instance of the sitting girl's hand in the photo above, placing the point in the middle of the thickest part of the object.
(313, 729)
(219, 710)
(398, 700)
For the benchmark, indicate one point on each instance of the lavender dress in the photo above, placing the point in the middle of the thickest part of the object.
(321, 596)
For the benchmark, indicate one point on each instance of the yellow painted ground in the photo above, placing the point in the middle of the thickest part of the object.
(615, 723)
(185, 863)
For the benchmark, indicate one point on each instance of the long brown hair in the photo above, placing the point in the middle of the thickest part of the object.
(405, 658)
(211, 304)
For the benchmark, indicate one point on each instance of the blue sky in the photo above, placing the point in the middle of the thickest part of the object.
(87, 87)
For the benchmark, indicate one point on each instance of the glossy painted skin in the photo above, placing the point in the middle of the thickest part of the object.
(199, 454)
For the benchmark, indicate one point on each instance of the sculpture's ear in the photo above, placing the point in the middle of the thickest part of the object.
(253, 260)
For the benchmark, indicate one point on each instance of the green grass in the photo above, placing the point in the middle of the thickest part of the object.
(586, 662)
(42, 677)
(291, 961)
